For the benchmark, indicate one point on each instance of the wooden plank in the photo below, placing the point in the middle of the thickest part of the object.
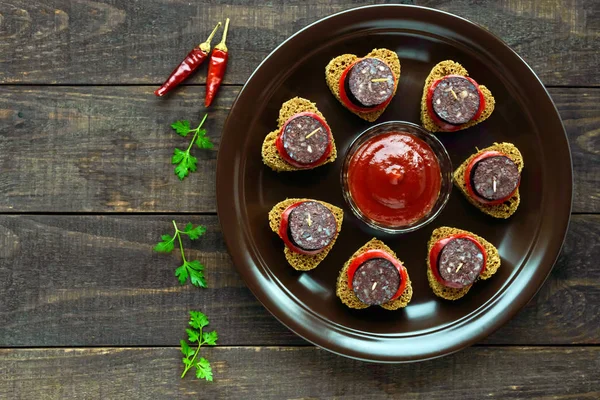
(106, 149)
(103, 149)
(117, 42)
(561, 312)
(299, 373)
(94, 281)
(580, 112)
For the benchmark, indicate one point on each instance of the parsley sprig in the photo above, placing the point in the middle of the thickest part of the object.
(190, 269)
(198, 322)
(185, 162)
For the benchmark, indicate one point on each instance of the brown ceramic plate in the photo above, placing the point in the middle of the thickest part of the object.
(529, 242)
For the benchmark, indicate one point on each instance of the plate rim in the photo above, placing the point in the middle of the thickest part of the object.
(503, 317)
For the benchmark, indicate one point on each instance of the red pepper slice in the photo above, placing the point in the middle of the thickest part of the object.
(467, 177)
(187, 66)
(346, 100)
(444, 125)
(370, 254)
(284, 154)
(283, 232)
(434, 256)
(216, 68)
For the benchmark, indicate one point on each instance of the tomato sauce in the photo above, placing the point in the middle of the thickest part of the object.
(394, 179)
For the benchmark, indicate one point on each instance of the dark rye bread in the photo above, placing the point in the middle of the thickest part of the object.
(304, 262)
(337, 66)
(290, 108)
(503, 210)
(347, 295)
(442, 69)
(491, 266)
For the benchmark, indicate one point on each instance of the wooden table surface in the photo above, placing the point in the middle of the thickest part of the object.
(87, 310)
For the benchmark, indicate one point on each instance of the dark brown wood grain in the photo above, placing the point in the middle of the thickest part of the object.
(579, 110)
(299, 373)
(94, 280)
(102, 149)
(108, 149)
(72, 143)
(122, 42)
(567, 298)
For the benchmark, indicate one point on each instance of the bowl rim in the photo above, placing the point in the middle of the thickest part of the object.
(444, 162)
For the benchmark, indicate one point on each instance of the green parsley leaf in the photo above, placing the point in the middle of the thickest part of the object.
(178, 156)
(203, 370)
(195, 265)
(182, 274)
(197, 279)
(166, 246)
(193, 336)
(194, 233)
(186, 349)
(210, 338)
(182, 127)
(198, 320)
(204, 142)
(188, 163)
(193, 271)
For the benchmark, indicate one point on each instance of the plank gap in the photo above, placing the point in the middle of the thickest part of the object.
(296, 345)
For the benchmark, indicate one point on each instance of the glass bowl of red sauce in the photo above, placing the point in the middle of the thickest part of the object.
(397, 177)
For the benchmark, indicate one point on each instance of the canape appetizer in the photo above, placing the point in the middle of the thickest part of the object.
(308, 228)
(366, 85)
(456, 260)
(490, 179)
(302, 140)
(452, 100)
(374, 276)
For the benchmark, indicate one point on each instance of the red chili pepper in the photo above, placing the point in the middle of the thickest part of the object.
(216, 68)
(188, 65)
